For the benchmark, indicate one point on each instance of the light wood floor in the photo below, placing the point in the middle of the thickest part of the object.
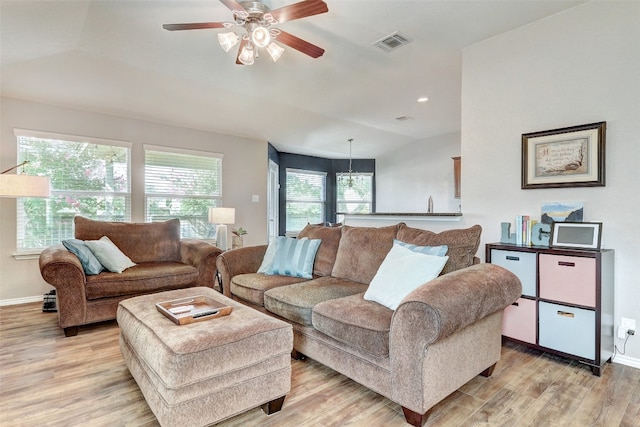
(47, 379)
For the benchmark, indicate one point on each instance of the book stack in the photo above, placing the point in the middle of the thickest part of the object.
(523, 229)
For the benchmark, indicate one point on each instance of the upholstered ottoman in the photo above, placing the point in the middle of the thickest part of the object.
(201, 373)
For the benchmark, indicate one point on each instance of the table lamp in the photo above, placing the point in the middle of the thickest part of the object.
(222, 217)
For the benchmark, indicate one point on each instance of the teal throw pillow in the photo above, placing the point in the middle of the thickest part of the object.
(294, 257)
(427, 250)
(90, 263)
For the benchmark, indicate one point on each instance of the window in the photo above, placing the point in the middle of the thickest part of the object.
(305, 199)
(357, 197)
(89, 177)
(182, 184)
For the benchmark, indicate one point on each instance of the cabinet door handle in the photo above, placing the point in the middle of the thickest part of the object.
(566, 263)
(513, 258)
(565, 314)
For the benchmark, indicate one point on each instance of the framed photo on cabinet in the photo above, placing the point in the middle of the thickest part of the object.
(567, 157)
(576, 235)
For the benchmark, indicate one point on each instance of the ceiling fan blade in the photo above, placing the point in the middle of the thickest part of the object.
(242, 43)
(300, 45)
(299, 10)
(233, 5)
(193, 26)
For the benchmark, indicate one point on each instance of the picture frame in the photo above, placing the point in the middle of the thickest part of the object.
(576, 235)
(567, 157)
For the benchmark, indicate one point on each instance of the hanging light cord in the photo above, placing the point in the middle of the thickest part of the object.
(350, 158)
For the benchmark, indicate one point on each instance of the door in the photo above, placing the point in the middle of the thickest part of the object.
(273, 199)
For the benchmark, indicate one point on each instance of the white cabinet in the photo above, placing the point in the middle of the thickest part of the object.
(566, 306)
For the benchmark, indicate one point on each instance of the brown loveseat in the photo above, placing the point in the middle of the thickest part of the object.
(163, 262)
(442, 334)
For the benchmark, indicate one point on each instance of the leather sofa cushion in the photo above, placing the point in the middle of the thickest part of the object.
(146, 277)
(361, 251)
(296, 302)
(355, 321)
(252, 286)
(463, 243)
(326, 255)
(142, 242)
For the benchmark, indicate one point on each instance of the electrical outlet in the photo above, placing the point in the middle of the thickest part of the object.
(625, 325)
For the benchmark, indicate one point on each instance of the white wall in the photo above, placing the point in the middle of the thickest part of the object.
(574, 68)
(244, 174)
(405, 178)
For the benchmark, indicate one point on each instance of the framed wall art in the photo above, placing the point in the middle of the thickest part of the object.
(567, 157)
(576, 235)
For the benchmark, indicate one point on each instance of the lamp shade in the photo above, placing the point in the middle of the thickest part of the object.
(222, 215)
(12, 185)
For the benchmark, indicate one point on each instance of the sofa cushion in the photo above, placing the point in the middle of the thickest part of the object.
(355, 321)
(429, 250)
(296, 302)
(146, 277)
(326, 256)
(402, 271)
(142, 242)
(252, 286)
(463, 243)
(293, 257)
(361, 251)
(109, 255)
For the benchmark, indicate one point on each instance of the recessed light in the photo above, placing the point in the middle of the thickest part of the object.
(423, 99)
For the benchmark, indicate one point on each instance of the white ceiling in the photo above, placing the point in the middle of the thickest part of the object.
(113, 56)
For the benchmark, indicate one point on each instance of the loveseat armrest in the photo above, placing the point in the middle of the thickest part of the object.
(201, 255)
(239, 261)
(437, 310)
(62, 270)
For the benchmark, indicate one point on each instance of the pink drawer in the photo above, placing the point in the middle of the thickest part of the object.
(519, 321)
(568, 279)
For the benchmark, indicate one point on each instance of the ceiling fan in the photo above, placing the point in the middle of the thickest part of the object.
(256, 19)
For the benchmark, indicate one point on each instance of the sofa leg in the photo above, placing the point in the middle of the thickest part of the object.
(414, 418)
(296, 355)
(487, 372)
(71, 331)
(273, 406)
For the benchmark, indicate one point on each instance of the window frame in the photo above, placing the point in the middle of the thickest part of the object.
(354, 175)
(322, 202)
(216, 199)
(21, 217)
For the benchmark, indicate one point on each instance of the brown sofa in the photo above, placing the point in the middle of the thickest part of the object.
(442, 334)
(163, 262)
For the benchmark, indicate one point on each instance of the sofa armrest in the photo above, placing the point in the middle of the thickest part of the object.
(201, 255)
(239, 261)
(440, 308)
(62, 270)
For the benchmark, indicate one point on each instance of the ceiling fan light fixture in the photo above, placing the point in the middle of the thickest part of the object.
(275, 51)
(261, 37)
(228, 40)
(247, 55)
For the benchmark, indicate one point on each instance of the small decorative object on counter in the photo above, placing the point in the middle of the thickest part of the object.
(236, 238)
(430, 205)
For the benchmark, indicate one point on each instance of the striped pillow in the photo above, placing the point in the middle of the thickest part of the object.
(428, 250)
(294, 257)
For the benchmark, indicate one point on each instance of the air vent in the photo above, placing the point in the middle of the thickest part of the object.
(392, 41)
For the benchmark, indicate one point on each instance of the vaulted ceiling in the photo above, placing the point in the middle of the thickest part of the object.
(114, 57)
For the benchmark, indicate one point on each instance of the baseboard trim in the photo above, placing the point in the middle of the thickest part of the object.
(628, 361)
(24, 300)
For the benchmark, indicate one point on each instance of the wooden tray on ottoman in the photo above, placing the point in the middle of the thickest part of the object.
(183, 311)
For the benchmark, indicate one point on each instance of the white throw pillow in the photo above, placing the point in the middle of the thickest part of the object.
(109, 255)
(401, 272)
